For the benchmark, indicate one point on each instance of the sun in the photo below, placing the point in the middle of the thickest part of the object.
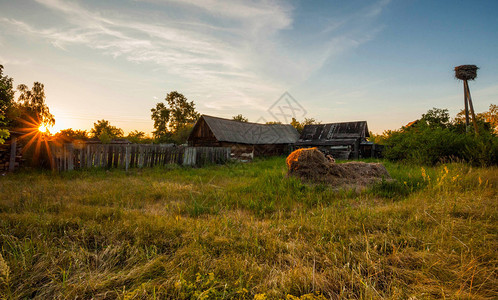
(43, 128)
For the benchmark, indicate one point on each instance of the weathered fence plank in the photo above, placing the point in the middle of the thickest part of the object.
(79, 156)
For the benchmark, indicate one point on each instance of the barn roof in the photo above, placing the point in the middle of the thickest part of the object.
(250, 133)
(333, 133)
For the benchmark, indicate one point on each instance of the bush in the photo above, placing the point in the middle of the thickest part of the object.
(433, 139)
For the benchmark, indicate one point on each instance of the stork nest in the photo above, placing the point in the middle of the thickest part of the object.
(466, 72)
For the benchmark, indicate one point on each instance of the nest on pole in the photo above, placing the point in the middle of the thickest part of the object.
(466, 72)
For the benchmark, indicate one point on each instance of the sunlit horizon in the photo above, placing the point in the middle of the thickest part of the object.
(385, 62)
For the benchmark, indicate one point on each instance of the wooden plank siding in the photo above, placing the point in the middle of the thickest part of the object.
(68, 156)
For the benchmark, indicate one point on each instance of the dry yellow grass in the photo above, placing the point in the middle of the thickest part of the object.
(249, 232)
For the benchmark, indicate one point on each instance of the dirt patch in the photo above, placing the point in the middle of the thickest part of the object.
(311, 165)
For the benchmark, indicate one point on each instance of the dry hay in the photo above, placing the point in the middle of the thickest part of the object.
(312, 166)
(466, 72)
(308, 164)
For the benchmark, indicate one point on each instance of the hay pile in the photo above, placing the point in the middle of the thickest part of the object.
(466, 72)
(312, 166)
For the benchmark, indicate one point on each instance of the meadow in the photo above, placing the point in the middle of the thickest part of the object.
(247, 231)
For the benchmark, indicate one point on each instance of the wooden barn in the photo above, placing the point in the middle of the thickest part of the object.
(347, 140)
(245, 139)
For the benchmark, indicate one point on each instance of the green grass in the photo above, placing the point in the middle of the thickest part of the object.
(248, 231)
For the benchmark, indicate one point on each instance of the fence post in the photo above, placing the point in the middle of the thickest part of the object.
(189, 156)
(127, 157)
(140, 156)
(88, 156)
(70, 156)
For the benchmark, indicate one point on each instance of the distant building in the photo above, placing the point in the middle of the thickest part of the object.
(347, 140)
(245, 139)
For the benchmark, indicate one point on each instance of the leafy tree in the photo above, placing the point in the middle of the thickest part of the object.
(490, 117)
(182, 133)
(437, 117)
(169, 119)
(160, 116)
(435, 138)
(105, 132)
(4, 133)
(138, 137)
(273, 122)
(6, 102)
(32, 106)
(377, 138)
(71, 135)
(240, 118)
(300, 125)
(6, 92)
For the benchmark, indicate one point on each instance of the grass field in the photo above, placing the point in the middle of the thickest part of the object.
(247, 231)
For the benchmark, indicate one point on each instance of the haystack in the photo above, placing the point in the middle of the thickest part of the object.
(308, 164)
(312, 166)
(466, 72)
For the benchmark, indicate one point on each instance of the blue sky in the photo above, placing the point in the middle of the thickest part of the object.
(386, 62)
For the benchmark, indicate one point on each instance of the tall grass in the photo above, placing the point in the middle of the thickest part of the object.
(247, 231)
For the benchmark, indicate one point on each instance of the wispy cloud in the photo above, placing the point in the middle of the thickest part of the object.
(230, 49)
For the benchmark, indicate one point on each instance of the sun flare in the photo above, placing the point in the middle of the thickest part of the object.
(43, 128)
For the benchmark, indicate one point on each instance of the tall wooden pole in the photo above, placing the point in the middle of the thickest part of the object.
(469, 98)
(466, 106)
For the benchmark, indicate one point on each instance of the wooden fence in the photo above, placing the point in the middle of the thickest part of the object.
(80, 156)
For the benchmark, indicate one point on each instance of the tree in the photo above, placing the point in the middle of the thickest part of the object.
(32, 106)
(138, 137)
(300, 125)
(160, 115)
(105, 132)
(240, 118)
(490, 117)
(273, 122)
(6, 93)
(177, 115)
(436, 117)
(6, 102)
(434, 139)
(71, 135)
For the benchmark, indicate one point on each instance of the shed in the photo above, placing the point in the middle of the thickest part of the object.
(244, 138)
(342, 140)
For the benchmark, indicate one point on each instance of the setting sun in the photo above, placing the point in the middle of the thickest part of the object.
(43, 128)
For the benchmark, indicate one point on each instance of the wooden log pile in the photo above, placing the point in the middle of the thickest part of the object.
(5, 156)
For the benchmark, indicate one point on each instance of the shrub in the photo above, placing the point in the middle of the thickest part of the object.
(433, 139)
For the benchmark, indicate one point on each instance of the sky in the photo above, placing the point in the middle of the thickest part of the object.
(386, 62)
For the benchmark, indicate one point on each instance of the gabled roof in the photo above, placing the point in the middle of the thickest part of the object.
(334, 133)
(249, 133)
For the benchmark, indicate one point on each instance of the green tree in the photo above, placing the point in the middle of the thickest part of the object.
(105, 132)
(300, 125)
(181, 134)
(434, 139)
(138, 137)
(6, 102)
(70, 135)
(32, 106)
(240, 118)
(436, 117)
(490, 117)
(177, 114)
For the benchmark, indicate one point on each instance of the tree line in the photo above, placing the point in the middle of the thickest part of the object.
(436, 138)
(173, 118)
